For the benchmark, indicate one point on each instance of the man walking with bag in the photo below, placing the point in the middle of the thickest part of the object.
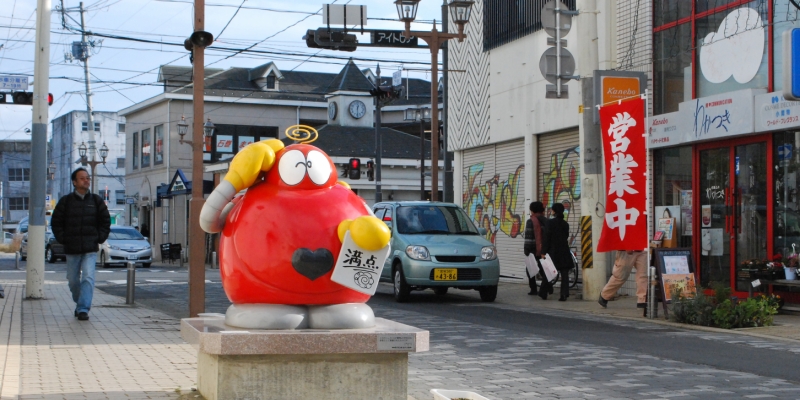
(81, 222)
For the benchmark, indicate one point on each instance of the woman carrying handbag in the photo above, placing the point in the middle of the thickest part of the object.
(558, 246)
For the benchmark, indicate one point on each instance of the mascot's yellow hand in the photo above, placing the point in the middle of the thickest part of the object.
(252, 160)
(368, 232)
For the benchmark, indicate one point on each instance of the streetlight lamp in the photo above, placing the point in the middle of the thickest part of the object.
(407, 13)
(183, 128)
(92, 163)
(420, 114)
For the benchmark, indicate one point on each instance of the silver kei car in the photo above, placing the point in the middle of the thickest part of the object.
(435, 245)
(125, 244)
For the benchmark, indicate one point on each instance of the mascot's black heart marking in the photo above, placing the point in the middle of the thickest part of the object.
(312, 264)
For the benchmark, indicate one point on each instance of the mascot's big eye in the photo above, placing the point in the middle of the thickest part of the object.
(292, 167)
(319, 167)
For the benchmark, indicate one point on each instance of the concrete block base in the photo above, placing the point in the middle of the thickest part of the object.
(298, 364)
(311, 376)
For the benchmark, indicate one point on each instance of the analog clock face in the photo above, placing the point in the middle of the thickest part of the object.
(357, 109)
(332, 109)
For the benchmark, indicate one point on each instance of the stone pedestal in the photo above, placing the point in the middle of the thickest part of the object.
(234, 363)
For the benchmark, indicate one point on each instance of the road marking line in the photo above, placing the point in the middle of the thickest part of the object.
(158, 280)
(119, 282)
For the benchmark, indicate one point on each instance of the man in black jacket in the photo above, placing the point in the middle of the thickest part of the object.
(81, 222)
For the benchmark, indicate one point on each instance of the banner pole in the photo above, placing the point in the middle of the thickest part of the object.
(652, 301)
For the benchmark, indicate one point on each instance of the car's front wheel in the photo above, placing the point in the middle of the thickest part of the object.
(440, 291)
(488, 293)
(103, 259)
(401, 288)
(49, 256)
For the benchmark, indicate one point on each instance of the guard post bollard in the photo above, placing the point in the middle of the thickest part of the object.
(214, 260)
(651, 298)
(129, 297)
(16, 260)
(181, 259)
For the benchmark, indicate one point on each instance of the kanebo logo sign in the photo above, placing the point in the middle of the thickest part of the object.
(735, 49)
(621, 92)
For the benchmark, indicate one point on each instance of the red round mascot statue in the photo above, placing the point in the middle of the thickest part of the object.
(280, 240)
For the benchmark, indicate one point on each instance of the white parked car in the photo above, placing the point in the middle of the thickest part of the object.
(125, 244)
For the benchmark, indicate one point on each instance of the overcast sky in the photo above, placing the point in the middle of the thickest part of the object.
(124, 72)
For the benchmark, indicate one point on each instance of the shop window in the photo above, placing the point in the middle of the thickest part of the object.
(786, 164)
(159, 140)
(146, 148)
(672, 186)
(666, 11)
(672, 68)
(135, 150)
(119, 196)
(784, 17)
(716, 74)
(19, 174)
(18, 203)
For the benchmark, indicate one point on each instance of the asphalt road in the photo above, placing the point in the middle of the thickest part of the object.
(505, 351)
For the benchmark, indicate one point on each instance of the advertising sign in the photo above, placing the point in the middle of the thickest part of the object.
(667, 130)
(13, 82)
(224, 144)
(625, 162)
(616, 85)
(774, 112)
(721, 115)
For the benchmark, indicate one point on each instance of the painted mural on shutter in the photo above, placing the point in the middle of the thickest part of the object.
(494, 198)
(559, 179)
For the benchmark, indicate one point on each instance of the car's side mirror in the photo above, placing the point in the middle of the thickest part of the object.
(482, 231)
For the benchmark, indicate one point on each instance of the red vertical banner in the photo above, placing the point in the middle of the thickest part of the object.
(622, 126)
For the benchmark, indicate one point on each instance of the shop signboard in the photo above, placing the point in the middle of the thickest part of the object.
(667, 130)
(773, 112)
(720, 116)
(616, 86)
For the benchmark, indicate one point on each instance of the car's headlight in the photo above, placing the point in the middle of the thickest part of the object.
(114, 247)
(488, 253)
(418, 252)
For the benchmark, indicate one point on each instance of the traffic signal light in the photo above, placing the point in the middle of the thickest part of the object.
(370, 170)
(386, 93)
(22, 98)
(354, 168)
(331, 39)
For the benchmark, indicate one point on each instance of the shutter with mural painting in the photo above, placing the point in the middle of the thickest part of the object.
(559, 179)
(494, 197)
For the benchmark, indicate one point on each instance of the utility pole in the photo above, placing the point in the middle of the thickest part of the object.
(594, 278)
(34, 279)
(378, 147)
(448, 168)
(197, 263)
(90, 117)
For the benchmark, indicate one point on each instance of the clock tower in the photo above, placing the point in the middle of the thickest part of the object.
(349, 101)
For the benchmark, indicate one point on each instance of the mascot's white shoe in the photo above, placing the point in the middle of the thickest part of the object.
(341, 316)
(267, 316)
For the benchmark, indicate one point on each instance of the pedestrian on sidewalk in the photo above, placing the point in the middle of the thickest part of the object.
(626, 260)
(534, 243)
(558, 246)
(81, 223)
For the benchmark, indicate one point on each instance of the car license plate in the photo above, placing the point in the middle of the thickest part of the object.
(445, 274)
(133, 257)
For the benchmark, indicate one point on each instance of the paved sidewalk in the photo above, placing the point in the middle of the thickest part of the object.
(787, 325)
(121, 352)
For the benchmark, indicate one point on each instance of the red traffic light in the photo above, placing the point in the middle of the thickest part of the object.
(355, 163)
(49, 99)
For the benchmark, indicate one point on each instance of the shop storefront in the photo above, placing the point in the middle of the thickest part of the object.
(727, 165)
